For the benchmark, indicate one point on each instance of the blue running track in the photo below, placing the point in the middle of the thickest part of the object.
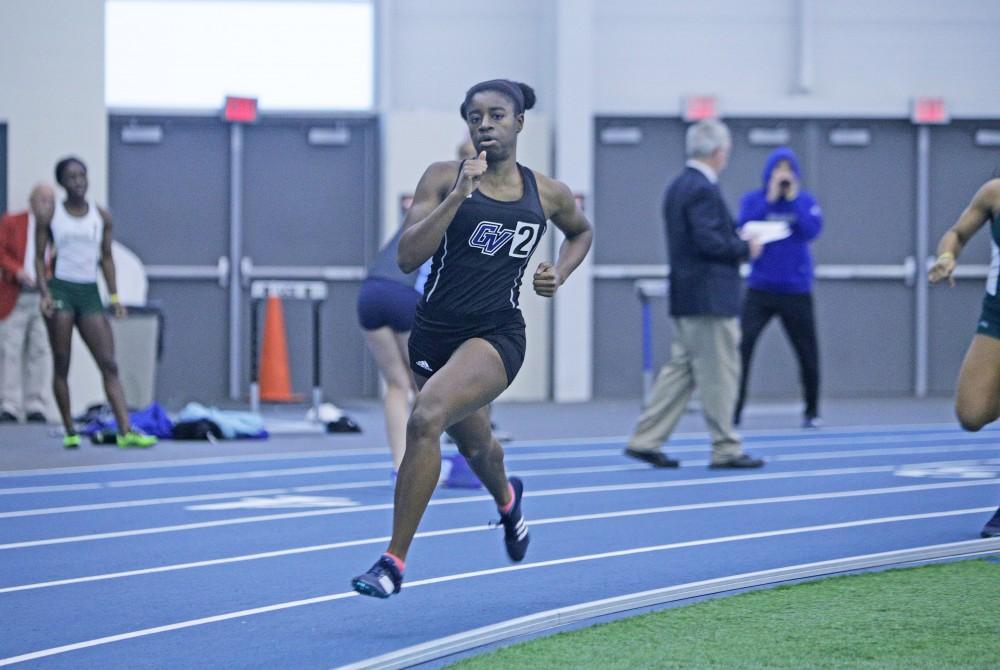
(246, 562)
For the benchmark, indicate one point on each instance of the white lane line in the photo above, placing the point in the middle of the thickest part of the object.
(11, 660)
(253, 474)
(886, 428)
(51, 489)
(727, 479)
(585, 470)
(595, 453)
(277, 502)
(137, 503)
(145, 632)
(377, 483)
(144, 502)
(523, 473)
(321, 469)
(700, 463)
(202, 524)
(945, 429)
(865, 453)
(286, 472)
(856, 493)
(188, 462)
(189, 479)
(904, 430)
(637, 486)
(676, 446)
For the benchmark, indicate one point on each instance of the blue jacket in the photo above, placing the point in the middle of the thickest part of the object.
(785, 266)
(705, 251)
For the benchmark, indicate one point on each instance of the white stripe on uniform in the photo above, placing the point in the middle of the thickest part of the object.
(991, 281)
(440, 269)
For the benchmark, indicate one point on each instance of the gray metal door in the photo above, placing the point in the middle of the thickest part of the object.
(867, 190)
(168, 191)
(634, 160)
(309, 211)
(868, 196)
(959, 165)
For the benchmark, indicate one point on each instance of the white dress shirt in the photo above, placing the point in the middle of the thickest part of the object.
(29, 249)
(705, 169)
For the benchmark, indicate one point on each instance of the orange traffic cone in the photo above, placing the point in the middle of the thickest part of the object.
(275, 381)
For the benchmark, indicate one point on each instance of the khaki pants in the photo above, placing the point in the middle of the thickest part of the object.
(705, 354)
(27, 361)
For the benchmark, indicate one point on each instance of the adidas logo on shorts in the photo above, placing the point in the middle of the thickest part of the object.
(425, 365)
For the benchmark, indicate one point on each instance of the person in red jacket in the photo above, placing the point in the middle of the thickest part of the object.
(24, 345)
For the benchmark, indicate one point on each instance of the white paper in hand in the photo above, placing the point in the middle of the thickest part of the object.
(765, 231)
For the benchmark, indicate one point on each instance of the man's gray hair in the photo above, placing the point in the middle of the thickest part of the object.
(704, 137)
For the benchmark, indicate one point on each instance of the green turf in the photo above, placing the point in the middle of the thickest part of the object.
(937, 616)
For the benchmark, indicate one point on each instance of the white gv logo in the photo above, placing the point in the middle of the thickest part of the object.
(490, 237)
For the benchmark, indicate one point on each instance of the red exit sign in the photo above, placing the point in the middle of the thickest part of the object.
(698, 107)
(240, 110)
(929, 111)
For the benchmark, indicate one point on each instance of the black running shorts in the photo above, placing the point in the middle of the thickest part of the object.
(436, 336)
(989, 318)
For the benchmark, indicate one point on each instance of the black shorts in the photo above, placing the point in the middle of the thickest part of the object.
(989, 318)
(437, 335)
(384, 302)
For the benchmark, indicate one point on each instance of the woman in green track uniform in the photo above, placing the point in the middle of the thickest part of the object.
(78, 232)
(977, 400)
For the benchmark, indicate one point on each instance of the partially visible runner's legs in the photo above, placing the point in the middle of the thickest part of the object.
(96, 334)
(482, 450)
(389, 350)
(456, 394)
(60, 327)
(977, 401)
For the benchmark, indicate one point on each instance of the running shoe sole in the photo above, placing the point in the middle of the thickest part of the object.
(366, 589)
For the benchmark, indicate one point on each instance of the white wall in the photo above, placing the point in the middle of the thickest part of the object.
(52, 98)
(435, 49)
(52, 91)
(573, 345)
(866, 56)
(894, 48)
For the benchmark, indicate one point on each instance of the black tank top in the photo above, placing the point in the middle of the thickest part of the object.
(478, 267)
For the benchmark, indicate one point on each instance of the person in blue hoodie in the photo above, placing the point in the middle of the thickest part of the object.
(780, 282)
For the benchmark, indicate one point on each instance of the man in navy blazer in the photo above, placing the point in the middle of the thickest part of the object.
(705, 300)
